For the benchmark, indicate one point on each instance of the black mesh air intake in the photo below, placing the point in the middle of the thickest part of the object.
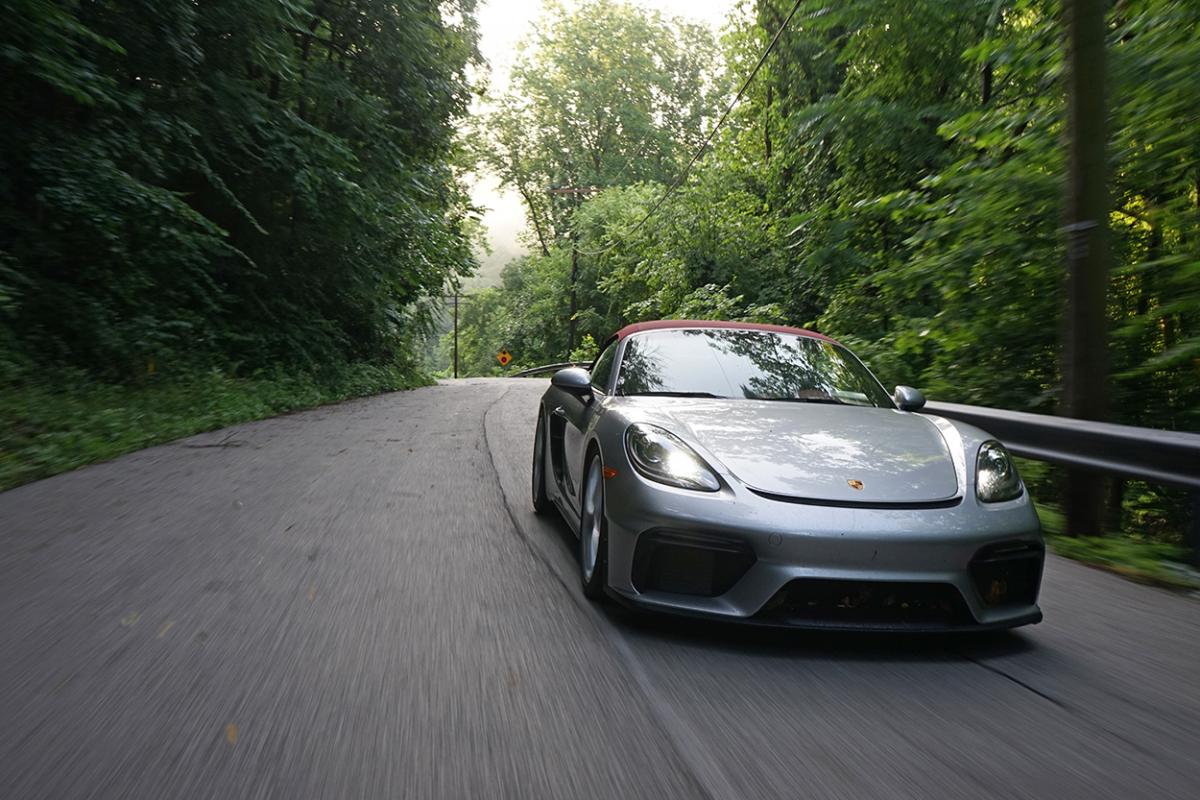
(689, 563)
(1008, 573)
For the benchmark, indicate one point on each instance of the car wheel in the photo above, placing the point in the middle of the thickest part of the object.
(541, 502)
(593, 532)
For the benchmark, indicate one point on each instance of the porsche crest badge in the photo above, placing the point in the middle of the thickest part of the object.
(855, 484)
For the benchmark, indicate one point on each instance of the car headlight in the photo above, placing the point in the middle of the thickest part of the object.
(996, 477)
(662, 456)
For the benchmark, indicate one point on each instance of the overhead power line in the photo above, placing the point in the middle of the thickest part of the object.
(707, 141)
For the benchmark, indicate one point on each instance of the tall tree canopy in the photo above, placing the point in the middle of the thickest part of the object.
(895, 177)
(233, 182)
(602, 95)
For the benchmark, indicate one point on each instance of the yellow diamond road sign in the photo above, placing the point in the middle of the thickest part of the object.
(504, 357)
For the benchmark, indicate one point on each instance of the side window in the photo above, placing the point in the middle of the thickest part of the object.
(602, 367)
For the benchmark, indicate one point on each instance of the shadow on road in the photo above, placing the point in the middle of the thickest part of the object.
(817, 645)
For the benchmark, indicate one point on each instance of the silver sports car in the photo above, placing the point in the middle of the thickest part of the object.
(761, 473)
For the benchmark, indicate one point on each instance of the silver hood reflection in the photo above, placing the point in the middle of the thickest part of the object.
(811, 451)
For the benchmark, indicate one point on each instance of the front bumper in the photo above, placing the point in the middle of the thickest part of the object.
(971, 566)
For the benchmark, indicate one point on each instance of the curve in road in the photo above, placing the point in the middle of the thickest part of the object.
(357, 601)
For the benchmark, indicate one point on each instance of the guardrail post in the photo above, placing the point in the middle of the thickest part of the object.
(1193, 530)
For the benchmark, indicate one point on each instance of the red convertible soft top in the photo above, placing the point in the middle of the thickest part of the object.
(660, 324)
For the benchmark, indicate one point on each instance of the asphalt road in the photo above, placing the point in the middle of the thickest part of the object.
(356, 601)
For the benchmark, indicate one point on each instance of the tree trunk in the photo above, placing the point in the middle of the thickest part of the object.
(767, 125)
(533, 217)
(1084, 364)
(988, 72)
(574, 297)
(305, 49)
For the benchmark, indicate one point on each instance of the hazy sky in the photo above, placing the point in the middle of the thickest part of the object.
(502, 23)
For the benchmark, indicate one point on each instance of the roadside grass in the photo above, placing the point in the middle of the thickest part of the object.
(64, 421)
(1127, 554)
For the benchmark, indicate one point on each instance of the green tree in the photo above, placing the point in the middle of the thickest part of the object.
(605, 94)
(896, 177)
(240, 183)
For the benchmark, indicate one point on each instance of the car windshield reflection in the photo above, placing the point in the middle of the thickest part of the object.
(746, 364)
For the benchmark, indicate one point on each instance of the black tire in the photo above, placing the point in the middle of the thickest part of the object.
(592, 514)
(541, 502)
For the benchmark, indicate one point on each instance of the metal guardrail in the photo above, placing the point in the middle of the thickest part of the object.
(549, 368)
(1170, 458)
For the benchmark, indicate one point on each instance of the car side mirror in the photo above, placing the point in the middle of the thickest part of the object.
(907, 398)
(574, 380)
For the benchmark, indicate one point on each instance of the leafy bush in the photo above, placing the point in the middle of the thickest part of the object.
(248, 185)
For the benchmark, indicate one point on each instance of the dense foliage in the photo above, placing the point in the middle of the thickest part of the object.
(895, 178)
(236, 184)
(603, 95)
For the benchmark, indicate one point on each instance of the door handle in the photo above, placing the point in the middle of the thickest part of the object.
(560, 412)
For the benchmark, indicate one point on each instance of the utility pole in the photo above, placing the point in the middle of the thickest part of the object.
(1084, 364)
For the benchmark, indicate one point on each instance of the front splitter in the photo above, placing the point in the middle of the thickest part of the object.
(800, 623)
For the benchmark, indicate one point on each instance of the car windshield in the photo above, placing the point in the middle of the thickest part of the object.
(741, 363)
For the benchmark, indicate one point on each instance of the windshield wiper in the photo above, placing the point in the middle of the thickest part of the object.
(668, 394)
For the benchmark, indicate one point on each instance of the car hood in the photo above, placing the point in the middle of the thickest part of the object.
(818, 452)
